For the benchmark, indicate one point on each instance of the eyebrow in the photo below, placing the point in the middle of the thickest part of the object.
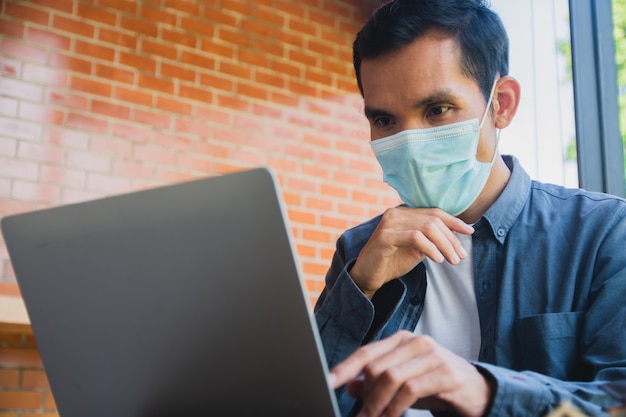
(372, 113)
(439, 96)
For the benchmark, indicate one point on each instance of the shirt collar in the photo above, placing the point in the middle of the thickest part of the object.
(503, 213)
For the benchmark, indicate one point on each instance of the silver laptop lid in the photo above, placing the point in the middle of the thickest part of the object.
(183, 300)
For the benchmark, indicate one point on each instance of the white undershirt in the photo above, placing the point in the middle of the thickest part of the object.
(450, 314)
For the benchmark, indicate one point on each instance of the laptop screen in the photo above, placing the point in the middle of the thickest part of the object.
(179, 300)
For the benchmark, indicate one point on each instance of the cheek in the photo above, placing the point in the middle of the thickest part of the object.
(380, 133)
(487, 146)
(374, 134)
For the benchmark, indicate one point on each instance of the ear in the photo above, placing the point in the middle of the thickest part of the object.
(506, 100)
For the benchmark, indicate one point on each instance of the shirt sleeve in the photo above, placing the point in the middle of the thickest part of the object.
(532, 394)
(343, 314)
(346, 318)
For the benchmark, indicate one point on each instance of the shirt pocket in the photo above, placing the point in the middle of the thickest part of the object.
(549, 344)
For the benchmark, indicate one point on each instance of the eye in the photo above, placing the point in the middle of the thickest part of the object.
(382, 122)
(438, 110)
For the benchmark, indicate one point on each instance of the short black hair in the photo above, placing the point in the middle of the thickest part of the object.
(478, 30)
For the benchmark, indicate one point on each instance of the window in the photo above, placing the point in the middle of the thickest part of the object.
(564, 55)
(619, 24)
(600, 149)
(543, 133)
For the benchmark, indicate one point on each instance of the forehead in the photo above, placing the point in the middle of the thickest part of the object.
(428, 65)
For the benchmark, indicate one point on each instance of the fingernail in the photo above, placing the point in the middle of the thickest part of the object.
(463, 252)
(331, 378)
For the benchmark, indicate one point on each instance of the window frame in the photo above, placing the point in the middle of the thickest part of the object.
(599, 146)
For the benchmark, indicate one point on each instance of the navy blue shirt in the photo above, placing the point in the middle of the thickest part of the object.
(550, 284)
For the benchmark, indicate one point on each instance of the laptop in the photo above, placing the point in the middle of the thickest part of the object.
(182, 300)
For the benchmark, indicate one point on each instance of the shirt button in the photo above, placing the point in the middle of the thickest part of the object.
(415, 300)
(501, 232)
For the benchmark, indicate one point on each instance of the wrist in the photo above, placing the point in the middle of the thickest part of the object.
(354, 274)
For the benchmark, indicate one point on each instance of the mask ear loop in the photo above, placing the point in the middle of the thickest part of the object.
(482, 121)
(493, 89)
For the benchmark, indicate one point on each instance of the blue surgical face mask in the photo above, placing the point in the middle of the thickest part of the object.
(436, 167)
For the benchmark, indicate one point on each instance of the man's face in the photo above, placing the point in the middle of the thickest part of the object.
(420, 86)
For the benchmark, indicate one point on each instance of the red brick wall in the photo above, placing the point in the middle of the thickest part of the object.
(108, 96)
(24, 389)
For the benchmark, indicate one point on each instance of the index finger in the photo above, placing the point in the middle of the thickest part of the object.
(434, 233)
(453, 223)
(354, 364)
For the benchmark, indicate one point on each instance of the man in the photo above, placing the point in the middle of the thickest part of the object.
(486, 293)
